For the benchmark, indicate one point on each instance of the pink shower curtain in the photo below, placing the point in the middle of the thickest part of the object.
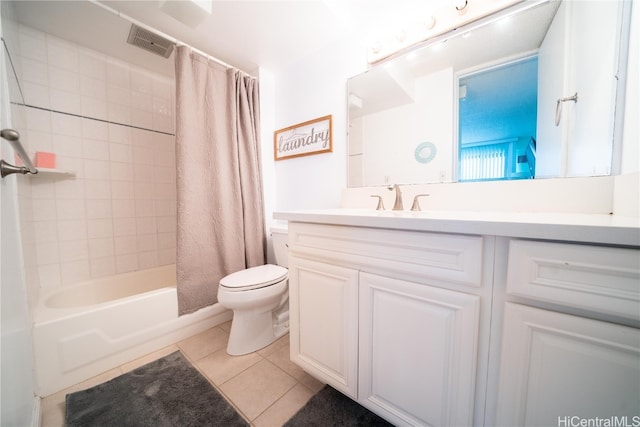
(220, 210)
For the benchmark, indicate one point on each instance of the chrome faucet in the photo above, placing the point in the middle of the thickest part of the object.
(397, 206)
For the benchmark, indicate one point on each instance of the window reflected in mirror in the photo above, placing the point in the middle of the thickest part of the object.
(497, 122)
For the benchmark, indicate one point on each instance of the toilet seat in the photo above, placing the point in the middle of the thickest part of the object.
(254, 278)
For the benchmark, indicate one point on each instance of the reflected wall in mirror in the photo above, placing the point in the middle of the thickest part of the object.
(482, 102)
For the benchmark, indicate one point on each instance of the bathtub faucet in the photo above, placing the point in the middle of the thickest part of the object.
(397, 205)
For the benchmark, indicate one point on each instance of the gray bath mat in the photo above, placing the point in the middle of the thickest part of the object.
(330, 408)
(167, 392)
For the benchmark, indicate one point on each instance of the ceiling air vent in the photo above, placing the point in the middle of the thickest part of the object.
(150, 41)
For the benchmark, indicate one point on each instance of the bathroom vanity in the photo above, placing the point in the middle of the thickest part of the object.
(468, 318)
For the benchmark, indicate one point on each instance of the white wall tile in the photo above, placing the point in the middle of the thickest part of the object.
(126, 263)
(97, 189)
(64, 124)
(124, 227)
(74, 271)
(118, 214)
(100, 228)
(69, 146)
(39, 120)
(120, 153)
(99, 248)
(44, 209)
(64, 101)
(147, 242)
(145, 208)
(148, 259)
(122, 190)
(94, 108)
(121, 172)
(92, 64)
(95, 150)
(47, 253)
(123, 208)
(93, 88)
(119, 134)
(39, 141)
(103, 267)
(125, 245)
(99, 209)
(64, 80)
(36, 95)
(46, 231)
(95, 130)
(72, 230)
(96, 169)
(62, 54)
(70, 209)
(73, 250)
(69, 189)
(49, 275)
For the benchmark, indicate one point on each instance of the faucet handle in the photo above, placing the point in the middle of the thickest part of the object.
(380, 206)
(416, 206)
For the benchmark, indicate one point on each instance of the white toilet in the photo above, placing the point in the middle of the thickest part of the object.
(259, 298)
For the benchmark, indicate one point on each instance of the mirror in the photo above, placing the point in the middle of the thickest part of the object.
(482, 102)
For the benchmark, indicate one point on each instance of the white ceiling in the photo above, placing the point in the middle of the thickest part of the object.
(243, 33)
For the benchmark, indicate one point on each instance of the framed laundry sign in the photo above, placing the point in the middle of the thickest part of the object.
(303, 139)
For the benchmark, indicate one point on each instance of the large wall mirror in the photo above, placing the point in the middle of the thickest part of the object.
(532, 92)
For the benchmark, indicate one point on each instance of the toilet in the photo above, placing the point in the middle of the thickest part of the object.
(259, 298)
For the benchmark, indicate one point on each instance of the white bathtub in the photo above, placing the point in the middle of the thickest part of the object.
(83, 330)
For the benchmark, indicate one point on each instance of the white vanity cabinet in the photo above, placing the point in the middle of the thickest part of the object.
(417, 358)
(324, 329)
(391, 318)
(570, 343)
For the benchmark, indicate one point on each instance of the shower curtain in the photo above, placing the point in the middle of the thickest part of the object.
(219, 189)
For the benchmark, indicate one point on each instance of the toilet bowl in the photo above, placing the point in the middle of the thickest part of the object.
(259, 298)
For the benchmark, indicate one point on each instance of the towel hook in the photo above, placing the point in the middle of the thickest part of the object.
(13, 137)
(573, 98)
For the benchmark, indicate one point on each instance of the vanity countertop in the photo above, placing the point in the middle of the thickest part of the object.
(588, 228)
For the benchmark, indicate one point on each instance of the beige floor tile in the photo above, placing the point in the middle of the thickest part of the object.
(219, 367)
(274, 346)
(204, 343)
(281, 359)
(53, 406)
(257, 388)
(278, 413)
(148, 358)
(226, 326)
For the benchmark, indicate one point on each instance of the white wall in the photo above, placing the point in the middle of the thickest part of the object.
(308, 89)
(631, 133)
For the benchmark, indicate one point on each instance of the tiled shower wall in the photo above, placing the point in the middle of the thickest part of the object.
(111, 124)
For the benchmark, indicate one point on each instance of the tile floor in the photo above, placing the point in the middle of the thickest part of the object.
(265, 386)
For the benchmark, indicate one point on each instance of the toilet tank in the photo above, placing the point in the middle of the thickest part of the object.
(280, 248)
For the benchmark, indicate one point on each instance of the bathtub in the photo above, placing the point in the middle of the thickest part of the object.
(85, 329)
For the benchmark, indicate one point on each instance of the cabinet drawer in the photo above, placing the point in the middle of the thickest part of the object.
(413, 255)
(595, 278)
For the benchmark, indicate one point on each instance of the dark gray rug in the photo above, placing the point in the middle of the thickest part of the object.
(167, 392)
(330, 408)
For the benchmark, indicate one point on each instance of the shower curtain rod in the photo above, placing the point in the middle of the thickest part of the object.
(166, 36)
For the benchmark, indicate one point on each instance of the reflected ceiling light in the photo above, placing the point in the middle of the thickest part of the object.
(430, 22)
(461, 5)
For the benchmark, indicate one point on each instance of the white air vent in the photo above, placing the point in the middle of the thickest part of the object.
(149, 41)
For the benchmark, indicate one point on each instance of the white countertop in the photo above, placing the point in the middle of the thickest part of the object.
(588, 228)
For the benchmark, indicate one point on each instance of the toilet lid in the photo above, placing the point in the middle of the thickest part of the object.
(254, 277)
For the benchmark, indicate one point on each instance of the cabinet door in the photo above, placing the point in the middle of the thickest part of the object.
(418, 347)
(557, 369)
(323, 314)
